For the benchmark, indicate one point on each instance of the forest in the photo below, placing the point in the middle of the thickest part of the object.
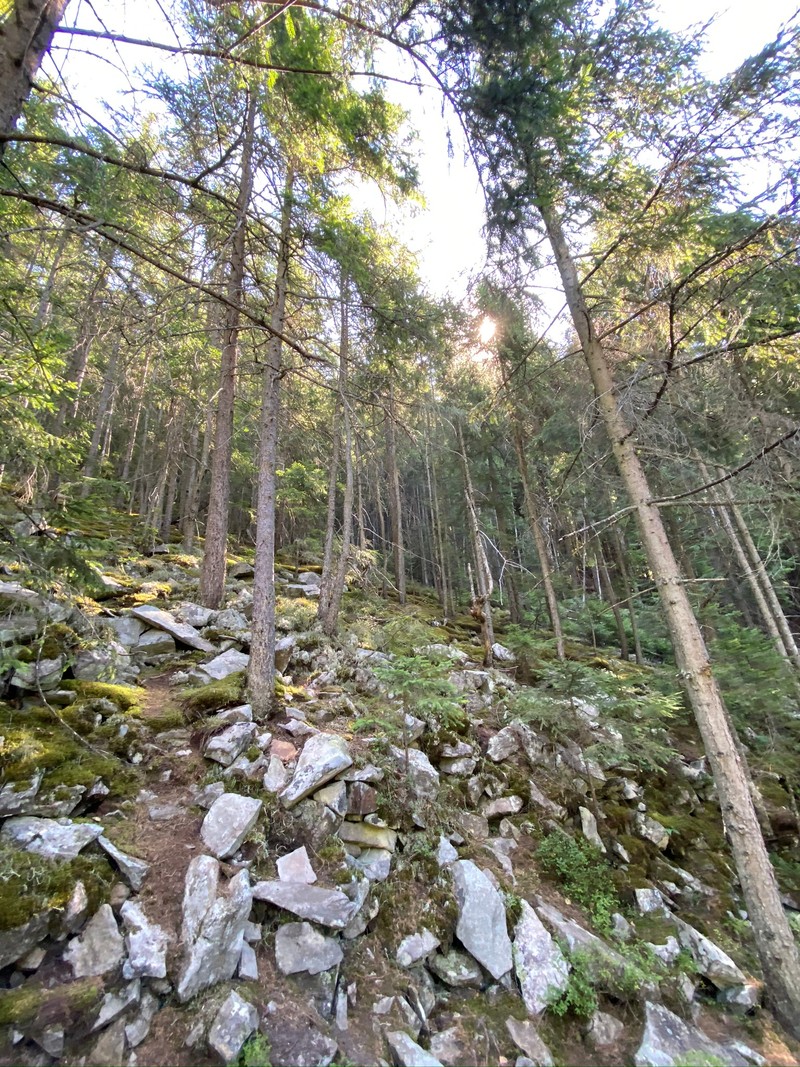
(224, 382)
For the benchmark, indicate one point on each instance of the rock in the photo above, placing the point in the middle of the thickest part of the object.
(481, 926)
(42, 674)
(299, 947)
(370, 773)
(328, 907)
(667, 1040)
(231, 622)
(284, 647)
(744, 998)
(463, 766)
(32, 961)
(296, 867)
(496, 809)
(241, 570)
(213, 926)
(423, 777)
(296, 1043)
(334, 796)
(115, 1003)
(314, 823)
(445, 853)
(248, 964)
(374, 863)
(416, 947)
(362, 799)
(501, 848)
(206, 796)
(709, 958)
(48, 838)
(241, 713)
(77, 909)
(146, 942)
(604, 1030)
(366, 836)
(650, 902)
(526, 1037)
(651, 830)
(127, 629)
(440, 652)
(605, 966)
(133, 870)
(540, 966)
(221, 666)
(108, 664)
(109, 1047)
(502, 654)
(276, 777)
(155, 643)
(322, 758)
(456, 969)
(229, 820)
(99, 949)
(182, 632)
(504, 744)
(407, 1053)
(233, 1024)
(14, 943)
(589, 828)
(195, 615)
(225, 747)
(137, 1031)
(15, 801)
(474, 827)
(667, 952)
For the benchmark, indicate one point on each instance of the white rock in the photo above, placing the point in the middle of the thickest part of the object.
(162, 620)
(228, 822)
(221, 666)
(99, 949)
(301, 948)
(481, 926)
(233, 1024)
(589, 828)
(296, 867)
(226, 746)
(55, 840)
(133, 870)
(416, 947)
(146, 942)
(407, 1053)
(323, 757)
(541, 969)
(667, 1039)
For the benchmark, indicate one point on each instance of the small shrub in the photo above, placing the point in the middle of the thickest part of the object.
(256, 1052)
(584, 876)
(579, 997)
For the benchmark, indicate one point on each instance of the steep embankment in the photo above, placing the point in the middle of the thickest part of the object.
(417, 859)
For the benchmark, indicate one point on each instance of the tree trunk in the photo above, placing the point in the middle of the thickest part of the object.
(395, 502)
(172, 460)
(535, 523)
(261, 669)
(326, 578)
(194, 484)
(482, 601)
(25, 35)
(774, 940)
(103, 406)
(505, 542)
(608, 587)
(619, 557)
(212, 573)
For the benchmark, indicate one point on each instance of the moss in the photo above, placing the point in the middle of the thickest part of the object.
(171, 719)
(295, 691)
(126, 697)
(31, 884)
(213, 696)
(31, 1001)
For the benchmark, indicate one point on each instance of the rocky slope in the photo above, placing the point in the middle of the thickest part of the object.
(355, 881)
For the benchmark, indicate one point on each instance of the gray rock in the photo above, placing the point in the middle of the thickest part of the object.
(416, 947)
(604, 1030)
(127, 629)
(362, 799)
(182, 632)
(540, 966)
(605, 965)
(423, 777)
(502, 654)
(77, 909)
(445, 853)
(32, 960)
(213, 926)
(14, 943)
(42, 674)
(463, 766)
(221, 666)
(229, 820)
(276, 777)
(456, 969)
(248, 964)
(16, 801)
(232, 622)
(650, 902)
(667, 1039)
(206, 796)
(651, 830)
(115, 1003)
(109, 1047)
(225, 747)
(668, 952)
(589, 828)
(334, 796)
(374, 863)
(407, 1053)
(137, 1031)
(155, 643)
(367, 836)
(328, 907)
(233, 1024)
(323, 757)
(297, 1043)
(744, 998)
(195, 615)
(481, 926)
(474, 827)
(46, 837)
(133, 870)
(284, 647)
(296, 867)
(496, 809)
(241, 713)
(146, 942)
(709, 958)
(526, 1037)
(299, 947)
(99, 949)
(370, 773)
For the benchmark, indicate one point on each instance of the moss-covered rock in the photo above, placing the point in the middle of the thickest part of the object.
(31, 884)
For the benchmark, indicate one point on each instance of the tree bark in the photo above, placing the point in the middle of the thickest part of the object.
(103, 406)
(195, 482)
(212, 573)
(395, 502)
(774, 940)
(261, 669)
(25, 36)
(482, 601)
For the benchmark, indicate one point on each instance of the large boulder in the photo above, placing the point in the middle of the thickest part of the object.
(99, 949)
(667, 1040)
(146, 943)
(540, 966)
(183, 633)
(229, 820)
(48, 838)
(214, 921)
(299, 947)
(322, 758)
(328, 907)
(481, 926)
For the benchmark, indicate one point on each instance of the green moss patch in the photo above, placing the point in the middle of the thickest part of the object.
(31, 884)
(126, 697)
(30, 1002)
(213, 696)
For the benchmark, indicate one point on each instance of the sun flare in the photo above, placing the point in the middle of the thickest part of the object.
(486, 330)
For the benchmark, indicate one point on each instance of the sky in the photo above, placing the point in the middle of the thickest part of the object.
(447, 235)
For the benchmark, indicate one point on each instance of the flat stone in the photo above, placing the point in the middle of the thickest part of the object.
(19, 940)
(99, 949)
(231, 622)
(496, 809)
(709, 958)
(407, 1053)
(328, 907)
(206, 796)
(296, 867)
(422, 775)
(32, 961)
(370, 773)
(299, 947)
(461, 767)
(333, 796)
(46, 837)
(481, 926)
(115, 1003)
(162, 620)
(604, 964)
(229, 820)
(540, 966)
(155, 643)
(456, 969)
(650, 901)
(133, 870)
(526, 1037)
(221, 666)
(744, 998)
(225, 747)
(297, 1043)
(15, 801)
(323, 757)
(213, 926)
(276, 776)
(146, 943)
(137, 1031)
(604, 1030)
(367, 836)
(667, 1040)
(652, 830)
(416, 947)
(248, 964)
(233, 1024)
(374, 863)
(589, 828)
(362, 799)
(241, 713)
